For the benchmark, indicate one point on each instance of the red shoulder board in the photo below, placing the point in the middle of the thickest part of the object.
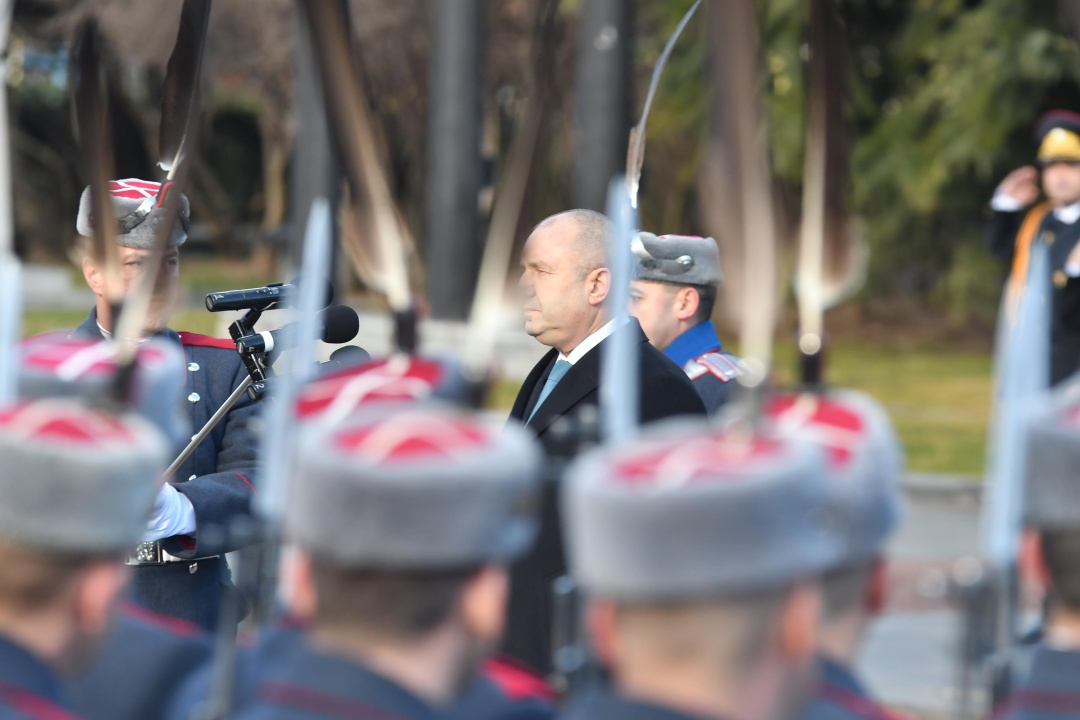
(189, 339)
(721, 365)
(517, 681)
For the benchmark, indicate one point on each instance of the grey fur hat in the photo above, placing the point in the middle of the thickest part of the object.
(75, 479)
(677, 259)
(864, 459)
(133, 200)
(55, 365)
(689, 513)
(414, 487)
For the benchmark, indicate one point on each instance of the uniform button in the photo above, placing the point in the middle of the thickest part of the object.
(193, 398)
(1060, 278)
(193, 367)
(191, 478)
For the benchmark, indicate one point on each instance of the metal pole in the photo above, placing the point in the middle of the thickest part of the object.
(452, 234)
(603, 98)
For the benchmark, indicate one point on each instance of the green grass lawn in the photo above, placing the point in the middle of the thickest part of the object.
(938, 399)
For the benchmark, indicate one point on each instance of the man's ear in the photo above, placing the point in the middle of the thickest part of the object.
(877, 590)
(686, 303)
(93, 278)
(602, 623)
(800, 616)
(297, 587)
(96, 591)
(599, 285)
(1033, 567)
(483, 603)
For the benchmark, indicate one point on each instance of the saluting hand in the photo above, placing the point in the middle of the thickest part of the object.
(1022, 185)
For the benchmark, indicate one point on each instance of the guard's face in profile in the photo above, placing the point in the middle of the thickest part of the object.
(653, 305)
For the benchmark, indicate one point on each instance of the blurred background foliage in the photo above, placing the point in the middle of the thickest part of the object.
(942, 98)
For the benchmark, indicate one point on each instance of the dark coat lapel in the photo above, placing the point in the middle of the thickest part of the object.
(581, 380)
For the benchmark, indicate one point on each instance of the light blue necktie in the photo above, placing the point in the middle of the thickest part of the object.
(553, 379)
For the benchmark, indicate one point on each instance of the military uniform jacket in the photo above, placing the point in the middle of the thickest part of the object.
(840, 696)
(698, 352)
(282, 677)
(218, 480)
(665, 391)
(144, 659)
(1049, 691)
(604, 704)
(1065, 312)
(28, 688)
(505, 691)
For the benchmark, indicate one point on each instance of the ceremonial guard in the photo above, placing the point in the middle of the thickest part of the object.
(1018, 221)
(401, 524)
(863, 477)
(673, 295)
(77, 485)
(698, 552)
(1048, 689)
(180, 567)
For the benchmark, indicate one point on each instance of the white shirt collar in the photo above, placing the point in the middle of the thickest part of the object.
(595, 339)
(1068, 214)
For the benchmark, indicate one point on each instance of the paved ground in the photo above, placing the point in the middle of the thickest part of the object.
(910, 658)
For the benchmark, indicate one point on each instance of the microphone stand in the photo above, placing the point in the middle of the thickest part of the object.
(258, 367)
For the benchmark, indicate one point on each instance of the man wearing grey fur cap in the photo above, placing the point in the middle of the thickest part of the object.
(1050, 555)
(863, 474)
(672, 295)
(401, 523)
(699, 552)
(180, 569)
(77, 485)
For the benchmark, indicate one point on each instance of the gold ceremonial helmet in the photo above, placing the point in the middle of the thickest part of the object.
(1059, 145)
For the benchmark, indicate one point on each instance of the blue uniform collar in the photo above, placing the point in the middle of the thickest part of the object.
(305, 678)
(604, 703)
(89, 330)
(1053, 669)
(693, 343)
(22, 671)
(839, 676)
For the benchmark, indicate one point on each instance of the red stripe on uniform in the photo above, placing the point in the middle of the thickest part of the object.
(517, 681)
(31, 705)
(190, 339)
(296, 696)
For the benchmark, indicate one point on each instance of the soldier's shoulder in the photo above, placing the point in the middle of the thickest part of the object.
(723, 366)
(190, 339)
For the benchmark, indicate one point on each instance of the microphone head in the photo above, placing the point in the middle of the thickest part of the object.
(347, 356)
(340, 324)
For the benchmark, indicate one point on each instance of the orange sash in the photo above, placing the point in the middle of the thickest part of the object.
(1022, 255)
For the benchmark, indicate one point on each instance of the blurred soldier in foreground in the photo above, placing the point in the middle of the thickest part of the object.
(565, 282)
(180, 568)
(672, 295)
(1050, 686)
(864, 493)
(403, 520)
(698, 553)
(78, 485)
(144, 653)
(1055, 222)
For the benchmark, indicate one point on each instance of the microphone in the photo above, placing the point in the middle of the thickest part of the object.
(264, 298)
(347, 356)
(340, 324)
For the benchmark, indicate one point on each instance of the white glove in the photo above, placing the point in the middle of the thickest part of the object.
(173, 515)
